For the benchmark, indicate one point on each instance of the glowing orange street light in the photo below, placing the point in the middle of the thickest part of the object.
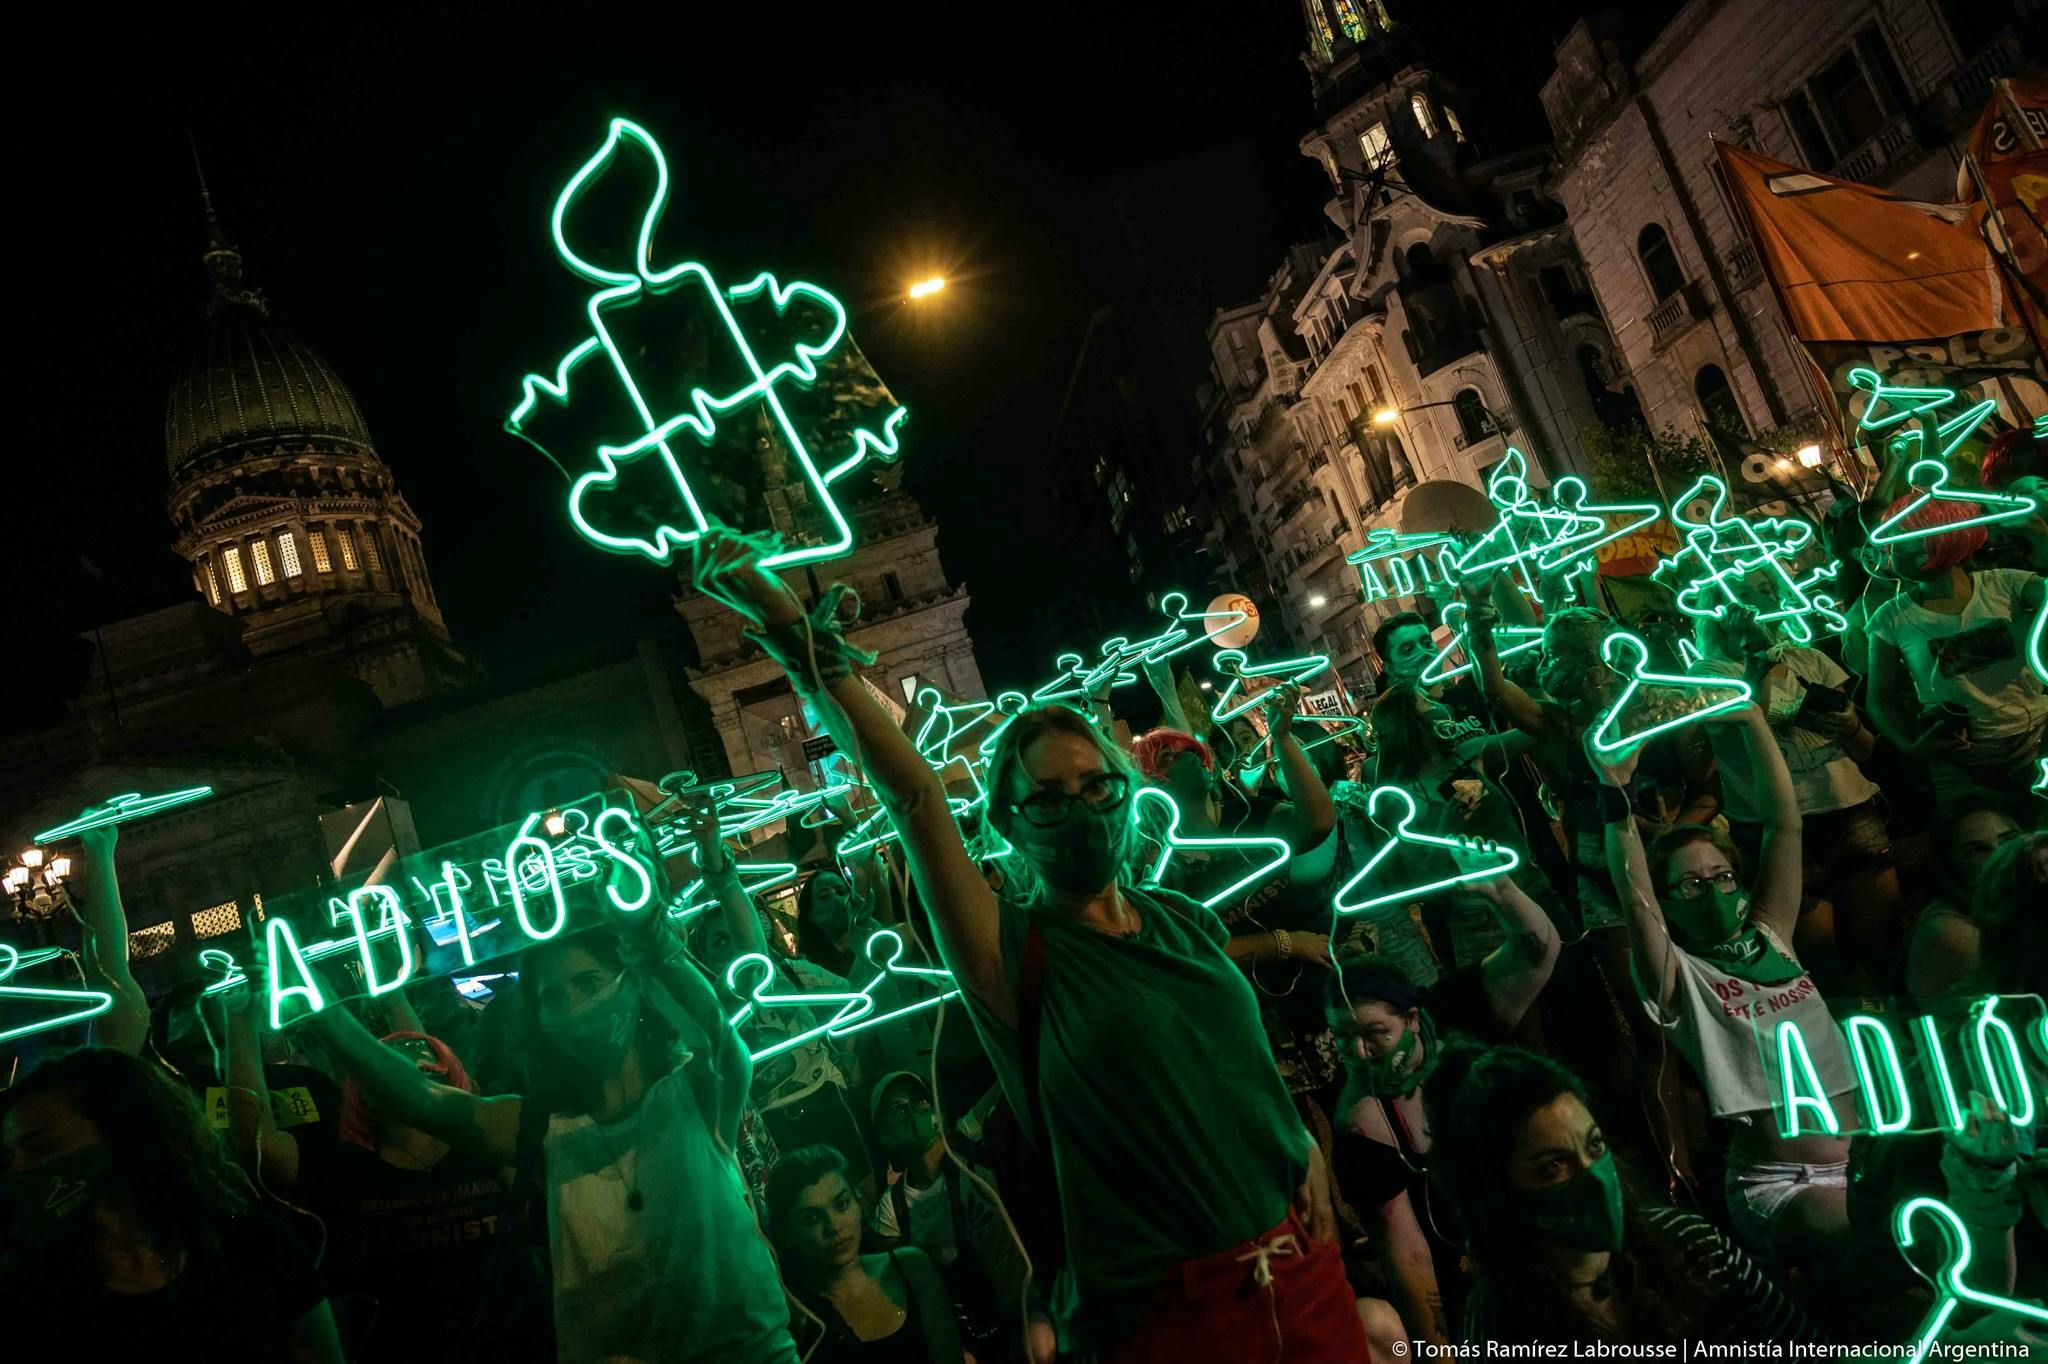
(925, 288)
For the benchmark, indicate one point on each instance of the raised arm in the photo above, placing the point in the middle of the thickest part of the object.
(1314, 812)
(1521, 709)
(1651, 952)
(487, 1129)
(963, 908)
(1159, 676)
(722, 878)
(1780, 879)
(103, 957)
(252, 1126)
(1516, 972)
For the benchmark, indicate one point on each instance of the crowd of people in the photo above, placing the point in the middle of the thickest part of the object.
(1179, 1110)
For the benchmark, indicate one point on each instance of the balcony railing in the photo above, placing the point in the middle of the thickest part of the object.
(1970, 86)
(1742, 264)
(1879, 150)
(1676, 313)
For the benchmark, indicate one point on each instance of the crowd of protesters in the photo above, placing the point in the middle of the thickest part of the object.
(1180, 1110)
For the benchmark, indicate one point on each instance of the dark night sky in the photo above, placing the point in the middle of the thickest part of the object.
(388, 179)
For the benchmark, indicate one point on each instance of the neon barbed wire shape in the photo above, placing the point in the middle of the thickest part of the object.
(846, 1006)
(1172, 841)
(1501, 859)
(129, 805)
(73, 1005)
(737, 375)
(1929, 479)
(1953, 1291)
(1623, 650)
(1518, 639)
(1290, 671)
(891, 965)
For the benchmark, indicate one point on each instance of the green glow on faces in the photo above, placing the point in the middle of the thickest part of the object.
(851, 1006)
(623, 861)
(1173, 841)
(2004, 1068)
(391, 918)
(1935, 1061)
(1504, 859)
(1956, 1256)
(1607, 735)
(1511, 640)
(552, 871)
(1887, 1104)
(281, 946)
(1228, 707)
(619, 290)
(1930, 476)
(80, 1004)
(1799, 1088)
(121, 809)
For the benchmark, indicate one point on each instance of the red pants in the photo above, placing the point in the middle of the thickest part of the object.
(1272, 1300)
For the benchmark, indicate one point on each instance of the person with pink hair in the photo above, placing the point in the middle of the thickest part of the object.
(1960, 637)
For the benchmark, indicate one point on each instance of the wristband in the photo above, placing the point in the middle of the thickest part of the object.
(1614, 806)
(813, 651)
(1286, 941)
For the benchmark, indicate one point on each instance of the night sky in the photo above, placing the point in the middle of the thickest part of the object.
(388, 180)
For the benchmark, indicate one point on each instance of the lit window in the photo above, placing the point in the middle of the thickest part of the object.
(1424, 119)
(370, 557)
(317, 540)
(232, 557)
(1451, 122)
(1378, 150)
(288, 554)
(216, 920)
(153, 941)
(212, 583)
(261, 550)
(348, 548)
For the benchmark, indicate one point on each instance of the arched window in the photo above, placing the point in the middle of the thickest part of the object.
(1473, 422)
(1660, 262)
(1421, 260)
(1424, 118)
(1725, 426)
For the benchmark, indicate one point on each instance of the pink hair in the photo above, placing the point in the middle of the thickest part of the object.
(358, 1122)
(1943, 551)
(1155, 750)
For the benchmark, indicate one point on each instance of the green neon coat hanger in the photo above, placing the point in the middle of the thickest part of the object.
(129, 805)
(1395, 800)
(598, 359)
(1901, 403)
(1616, 650)
(847, 1006)
(1009, 704)
(1290, 670)
(1952, 1291)
(756, 878)
(1172, 841)
(1588, 530)
(1521, 516)
(943, 723)
(1518, 639)
(1721, 550)
(2037, 641)
(884, 950)
(1930, 478)
(77, 1005)
(1177, 638)
(1384, 542)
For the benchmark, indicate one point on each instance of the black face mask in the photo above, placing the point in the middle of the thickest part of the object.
(1082, 854)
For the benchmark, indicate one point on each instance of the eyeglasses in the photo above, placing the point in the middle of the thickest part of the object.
(1693, 887)
(1050, 809)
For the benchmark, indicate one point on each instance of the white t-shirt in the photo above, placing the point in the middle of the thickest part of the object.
(1972, 659)
(1825, 777)
(931, 1218)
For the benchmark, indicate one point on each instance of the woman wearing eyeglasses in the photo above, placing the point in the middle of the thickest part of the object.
(1194, 1208)
(1710, 952)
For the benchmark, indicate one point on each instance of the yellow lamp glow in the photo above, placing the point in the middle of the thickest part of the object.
(925, 288)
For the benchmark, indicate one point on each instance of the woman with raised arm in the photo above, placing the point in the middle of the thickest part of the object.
(638, 1083)
(1710, 951)
(103, 947)
(1196, 1213)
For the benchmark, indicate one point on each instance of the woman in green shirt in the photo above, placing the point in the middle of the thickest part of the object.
(1195, 1213)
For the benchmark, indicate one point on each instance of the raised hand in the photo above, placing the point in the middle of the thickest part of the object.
(726, 566)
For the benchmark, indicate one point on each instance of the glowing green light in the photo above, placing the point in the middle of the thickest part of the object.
(891, 963)
(552, 871)
(1502, 858)
(2004, 1068)
(1799, 1087)
(1887, 1104)
(1930, 477)
(281, 947)
(454, 910)
(1172, 841)
(1723, 550)
(1521, 639)
(1290, 670)
(1608, 737)
(684, 519)
(848, 1006)
(1908, 402)
(1957, 1253)
(1935, 1061)
(122, 808)
(2037, 644)
(391, 915)
(80, 1004)
(1507, 487)
(623, 861)
(1009, 704)
(1588, 530)
(756, 878)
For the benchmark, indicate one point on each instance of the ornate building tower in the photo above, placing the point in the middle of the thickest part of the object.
(291, 522)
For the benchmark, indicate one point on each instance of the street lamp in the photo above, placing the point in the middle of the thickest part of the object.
(37, 890)
(1809, 456)
(1318, 600)
(925, 288)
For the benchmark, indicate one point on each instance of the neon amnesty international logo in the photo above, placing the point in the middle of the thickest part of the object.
(691, 403)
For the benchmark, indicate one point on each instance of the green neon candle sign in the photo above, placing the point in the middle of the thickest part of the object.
(73, 1005)
(1953, 1291)
(1620, 647)
(129, 805)
(600, 361)
(1500, 859)
(1172, 841)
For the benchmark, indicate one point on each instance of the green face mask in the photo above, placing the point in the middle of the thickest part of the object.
(1711, 919)
(1584, 1212)
(1400, 1071)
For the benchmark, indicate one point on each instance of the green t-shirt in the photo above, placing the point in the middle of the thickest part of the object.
(1172, 1135)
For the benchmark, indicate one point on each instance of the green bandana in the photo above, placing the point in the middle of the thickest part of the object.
(1750, 956)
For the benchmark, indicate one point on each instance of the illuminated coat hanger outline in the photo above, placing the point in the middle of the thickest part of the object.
(1722, 550)
(1177, 638)
(1171, 841)
(1606, 739)
(852, 1005)
(622, 289)
(1402, 832)
(1957, 1253)
(87, 1004)
(129, 805)
(1589, 531)
(1907, 403)
(1009, 704)
(1525, 638)
(1291, 671)
(891, 942)
(1507, 487)
(1930, 478)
